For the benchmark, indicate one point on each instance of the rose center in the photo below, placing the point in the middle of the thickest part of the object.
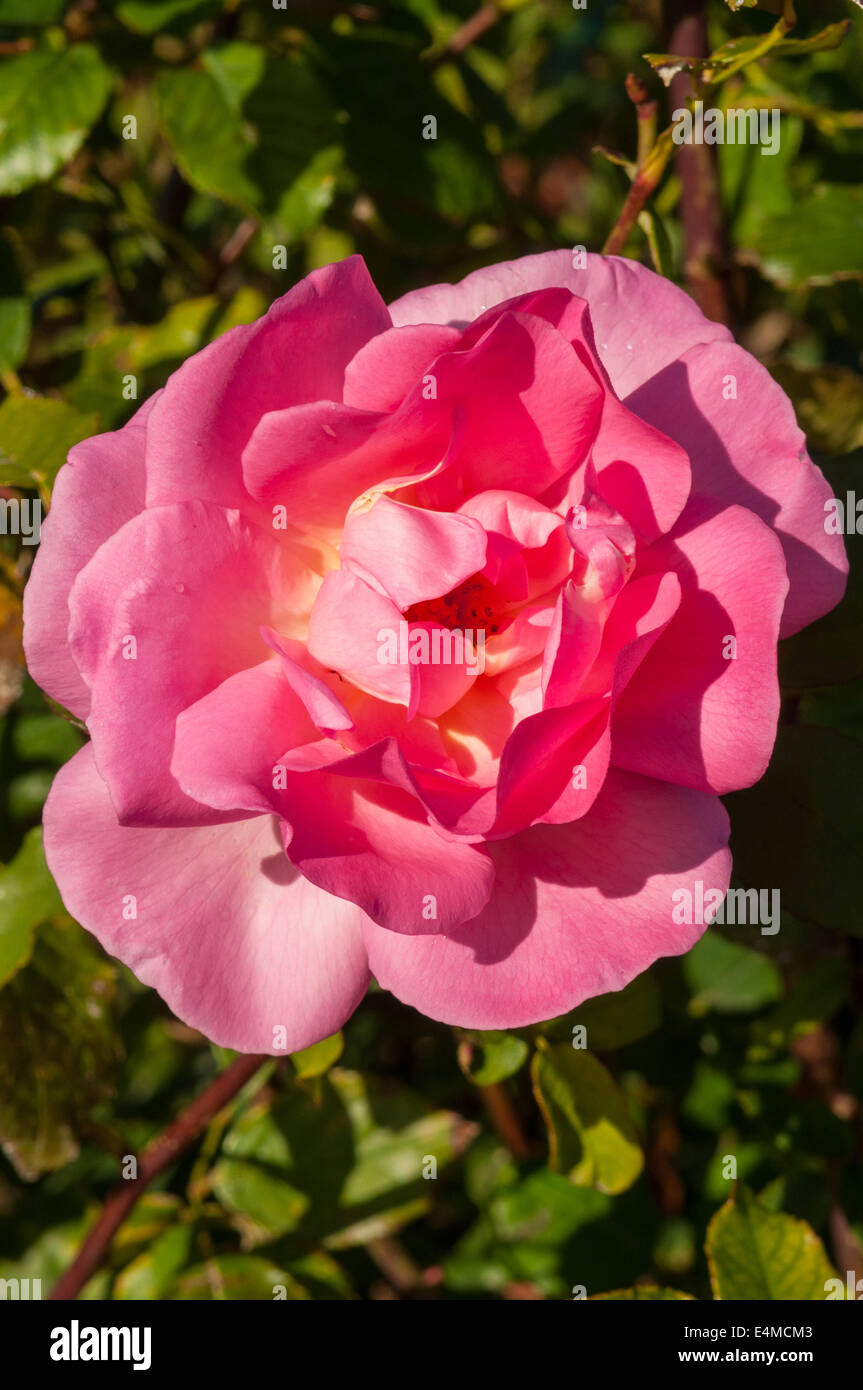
(475, 604)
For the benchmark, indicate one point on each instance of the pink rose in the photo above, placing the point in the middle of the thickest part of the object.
(423, 642)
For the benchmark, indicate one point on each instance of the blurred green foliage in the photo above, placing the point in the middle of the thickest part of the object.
(167, 168)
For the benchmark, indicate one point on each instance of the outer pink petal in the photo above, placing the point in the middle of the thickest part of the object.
(641, 320)
(192, 584)
(750, 450)
(578, 910)
(297, 352)
(692, 714)
(236, 942)
(99, 489)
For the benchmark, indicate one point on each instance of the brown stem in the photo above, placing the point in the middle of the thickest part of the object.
(159, 1154)
(394, 1262)
(642, 186)
(645, 111)
(501, 1112)
(703, 236)
(473, 28)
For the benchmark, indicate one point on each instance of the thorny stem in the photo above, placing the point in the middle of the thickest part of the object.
(644, 183)
(704, 241)
(645, 111)
(159, 1154)
(473, 28)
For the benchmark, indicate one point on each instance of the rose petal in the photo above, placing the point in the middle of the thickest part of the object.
(234, 939)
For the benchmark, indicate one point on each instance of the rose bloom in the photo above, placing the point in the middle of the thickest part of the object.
(420, 643)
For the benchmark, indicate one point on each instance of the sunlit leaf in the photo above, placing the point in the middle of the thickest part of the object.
(754, 1253)
(27, 896)
(818, 242)
(486, 1058)
(317, 1059)
(729, 977)
(591, 1136)
(48, 102)
(36, 434)
(151, 1274)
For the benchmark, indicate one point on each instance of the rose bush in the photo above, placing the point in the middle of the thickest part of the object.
(572, 469)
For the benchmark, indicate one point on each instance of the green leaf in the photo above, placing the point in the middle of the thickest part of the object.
(710, 1097)
(237, 1277)
(152, 1215)
(334, 1165)
(486, 1058)
(151, 1274)
(304, 203)
(391, 1154)
(545, 1209)
(27, 896)
(828, 38)
(729, 978)
(246, 125)
(31, 12)
(800, 829)
(648, 1293)
(817, 242)
(44, 737)
(720, 63)
(14, 331)
(661, 250)
(591, 1135)
(755, 1253)
(317, 1059)
(756, 186)
(55, 1025)
(51, 1253)
(151, 16)
(668, 65)
(528, 1232)
(48, 102)
(36, 434)
(207, 135)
